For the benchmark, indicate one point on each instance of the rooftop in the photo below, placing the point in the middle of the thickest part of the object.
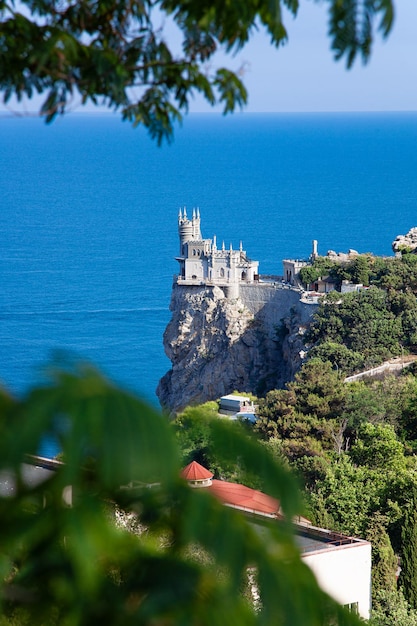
(259, 506)
(244, 498)
(195, 471)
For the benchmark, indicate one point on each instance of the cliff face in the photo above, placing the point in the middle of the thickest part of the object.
(406, 242)
(217, 345)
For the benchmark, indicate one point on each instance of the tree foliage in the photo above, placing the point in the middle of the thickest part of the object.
(377, 447)
(117, 53)
(362, 322)
(384, 561)
(322, 266)
(392, 608)
(408, 576)
(399, 274)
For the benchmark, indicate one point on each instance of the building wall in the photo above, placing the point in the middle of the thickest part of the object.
(271, 303)
(344, 572)
(291, 270)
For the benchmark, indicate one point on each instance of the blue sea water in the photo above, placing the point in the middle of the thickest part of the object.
(88, 220)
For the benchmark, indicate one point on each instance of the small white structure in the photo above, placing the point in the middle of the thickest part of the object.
(349, 287)
(201, 262)
(291, 271)
(291, 267)
(231, 404)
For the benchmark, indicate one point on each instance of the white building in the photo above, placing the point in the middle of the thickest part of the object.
(231, 404)
(341, 564)
(201, 262)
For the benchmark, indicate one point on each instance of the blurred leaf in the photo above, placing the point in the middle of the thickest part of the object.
(231, 442)
(191, 558)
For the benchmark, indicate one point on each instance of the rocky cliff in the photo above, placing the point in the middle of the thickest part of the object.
(406, 243)
(217, 345)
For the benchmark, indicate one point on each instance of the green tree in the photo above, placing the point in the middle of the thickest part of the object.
(408, 576)
(404, 307)
(341, 357)
(384, 561)
(116, 53)
(274, 411)
(392, 608)
(360, 269)
(396, 395)
(377, 447)
(193, 433)
(322, 266)
(363, 404)
(318, 389)
(399, 274)
(363, 322)
(346, 493)
(305, 416)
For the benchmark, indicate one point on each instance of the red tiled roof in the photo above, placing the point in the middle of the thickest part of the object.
(244, 497)
(235, 495)
(195, 471)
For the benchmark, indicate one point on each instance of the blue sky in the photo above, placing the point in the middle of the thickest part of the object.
(302, 76)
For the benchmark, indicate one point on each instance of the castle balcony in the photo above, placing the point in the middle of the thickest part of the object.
(219, 282)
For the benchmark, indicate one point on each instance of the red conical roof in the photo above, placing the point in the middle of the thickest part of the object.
(195, 471)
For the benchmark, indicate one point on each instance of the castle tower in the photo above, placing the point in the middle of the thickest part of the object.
(188, 230)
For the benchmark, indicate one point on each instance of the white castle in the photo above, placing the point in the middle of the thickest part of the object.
(201, 262)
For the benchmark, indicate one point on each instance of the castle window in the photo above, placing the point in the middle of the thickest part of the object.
(243, 275)
(222, 272)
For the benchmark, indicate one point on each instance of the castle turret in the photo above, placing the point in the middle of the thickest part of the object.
(185, 230)
(189, 230)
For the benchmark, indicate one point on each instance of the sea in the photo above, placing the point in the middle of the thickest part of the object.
(88, 221)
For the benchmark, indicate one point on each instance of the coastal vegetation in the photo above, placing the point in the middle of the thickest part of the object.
(360, 329)
(352, 444)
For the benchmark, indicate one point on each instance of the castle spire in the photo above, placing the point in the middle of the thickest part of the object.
(241, 247)
(179, 215)
(214, 243)
(185, 213)
(223, 246)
